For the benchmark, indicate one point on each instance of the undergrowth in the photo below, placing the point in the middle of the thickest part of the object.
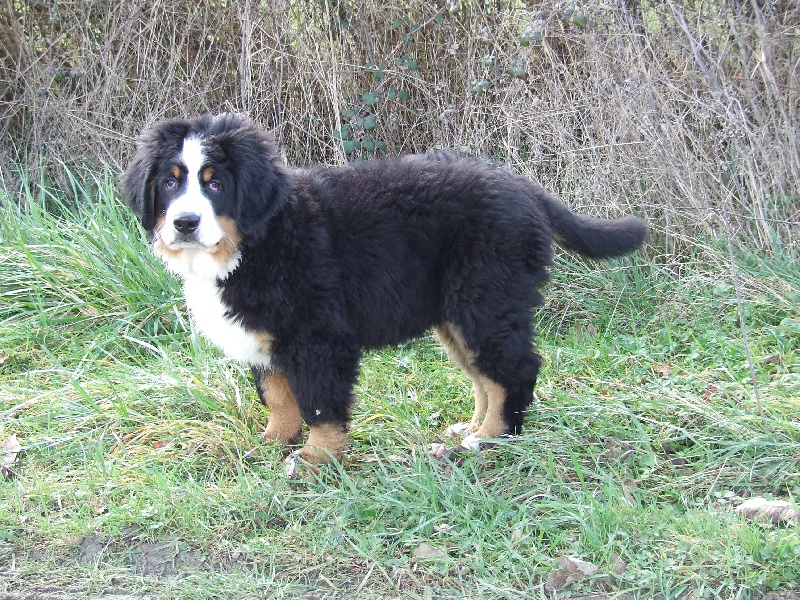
(142, 470)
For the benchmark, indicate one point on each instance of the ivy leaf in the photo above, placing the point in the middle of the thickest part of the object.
(370, 98)
(412, 64)
(404, 95)
(369, 122)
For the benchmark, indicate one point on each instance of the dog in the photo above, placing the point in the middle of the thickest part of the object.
(295, 272)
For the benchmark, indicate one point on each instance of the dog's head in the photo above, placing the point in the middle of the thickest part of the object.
(202, 186)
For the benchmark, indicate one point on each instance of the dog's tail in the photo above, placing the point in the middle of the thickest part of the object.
(595, 238)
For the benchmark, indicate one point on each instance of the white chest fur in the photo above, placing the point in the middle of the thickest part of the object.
(209, 314)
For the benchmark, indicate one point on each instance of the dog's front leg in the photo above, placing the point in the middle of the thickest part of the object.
(285, 421)
(322, 377)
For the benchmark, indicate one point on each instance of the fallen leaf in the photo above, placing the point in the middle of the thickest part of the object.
(771, 359)
(440, 451)
(618, 565)
(8, 455)
(576, 566)
(573, 569)
(776, 511)
(662, 368)
(558, 580)
(427, 552)
(711, 391)
(591, 330)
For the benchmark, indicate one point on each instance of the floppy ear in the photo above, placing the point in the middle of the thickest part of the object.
(137, 181)
(262, 180)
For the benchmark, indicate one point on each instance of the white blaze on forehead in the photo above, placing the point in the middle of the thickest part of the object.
(193, 200)
(193, 155)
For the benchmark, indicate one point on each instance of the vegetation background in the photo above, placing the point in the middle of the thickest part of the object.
(687, 111)
(671, 388)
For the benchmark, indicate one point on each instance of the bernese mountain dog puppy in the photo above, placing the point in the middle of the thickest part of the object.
(295, 272)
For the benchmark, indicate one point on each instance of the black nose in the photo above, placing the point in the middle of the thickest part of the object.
(186, 223)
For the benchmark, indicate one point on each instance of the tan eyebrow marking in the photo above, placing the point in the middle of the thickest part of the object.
(207, 174)
(176, 171)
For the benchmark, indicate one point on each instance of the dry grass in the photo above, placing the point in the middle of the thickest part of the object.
(685, 111)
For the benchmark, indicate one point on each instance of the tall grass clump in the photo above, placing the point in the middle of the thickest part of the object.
(71, 263)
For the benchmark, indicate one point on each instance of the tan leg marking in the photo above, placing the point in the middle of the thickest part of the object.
(325, 444)
(481, 402)
(285, 423)
(457, 350)
(494, 424)
(490, 397)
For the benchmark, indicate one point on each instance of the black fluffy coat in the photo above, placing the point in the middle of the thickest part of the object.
(337, 260)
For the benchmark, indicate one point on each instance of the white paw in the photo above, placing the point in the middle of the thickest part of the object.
(458, 429)
(472, 442)
(475, 443)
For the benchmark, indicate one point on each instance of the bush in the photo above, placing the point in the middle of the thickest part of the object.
(684, 111)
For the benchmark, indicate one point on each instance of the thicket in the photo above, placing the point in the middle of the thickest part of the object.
(686, 111)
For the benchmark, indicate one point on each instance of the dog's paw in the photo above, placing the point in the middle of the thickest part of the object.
(458, 430)
(476, 443)
(473, 442)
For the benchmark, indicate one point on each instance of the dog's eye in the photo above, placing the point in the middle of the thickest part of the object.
(214, 185)
(170, 184)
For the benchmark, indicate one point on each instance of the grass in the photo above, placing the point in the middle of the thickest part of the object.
(143, 475)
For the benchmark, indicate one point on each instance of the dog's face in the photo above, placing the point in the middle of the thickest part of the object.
(202, 187)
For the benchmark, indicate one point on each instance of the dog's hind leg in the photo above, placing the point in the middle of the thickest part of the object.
(503, 368)
(452, 342)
